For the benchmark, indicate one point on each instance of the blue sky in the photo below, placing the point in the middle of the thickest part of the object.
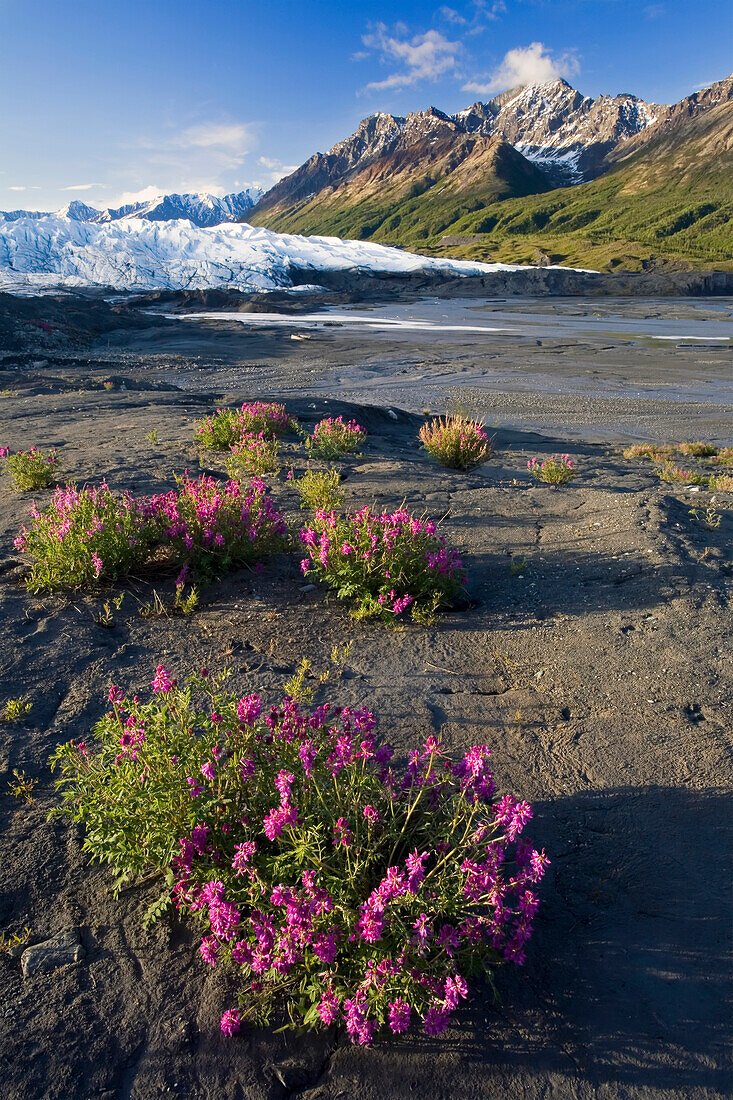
(106, 101)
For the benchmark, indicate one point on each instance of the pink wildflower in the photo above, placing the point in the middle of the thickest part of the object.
(230, 1022)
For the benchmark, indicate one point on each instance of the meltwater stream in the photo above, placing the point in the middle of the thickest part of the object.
(432, 318)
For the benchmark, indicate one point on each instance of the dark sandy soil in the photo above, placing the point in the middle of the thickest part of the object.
(600, 676)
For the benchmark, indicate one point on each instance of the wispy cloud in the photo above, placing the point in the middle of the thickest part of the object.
(205, 156)
(476, 17)
(531, 64)
(654, 11)
(17, 189)
(452, 16)
(145, 194)
(275, 168)
(420, 57)
(81, 186)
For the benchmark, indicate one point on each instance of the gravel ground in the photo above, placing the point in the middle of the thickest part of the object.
(599, 674)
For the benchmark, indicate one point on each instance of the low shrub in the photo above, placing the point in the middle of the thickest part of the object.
(697, 450)
(333, 887)
(724, 457)
(208, 527)
(320, 490)
(721, 483)
(556, 470)
(457, 442)
(667, 471)
(333, 437)
(253, 456)
(33, 469)
(86, 535)
(386, 562)
(656, 452)
(226, 427)
(14, 710)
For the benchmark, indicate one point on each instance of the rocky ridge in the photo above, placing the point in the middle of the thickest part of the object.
(202, 209)
(567, 135)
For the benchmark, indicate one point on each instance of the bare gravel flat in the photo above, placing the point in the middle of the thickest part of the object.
(599, 674)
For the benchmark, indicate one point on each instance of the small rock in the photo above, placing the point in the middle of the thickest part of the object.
(308, 588)
(60, 950)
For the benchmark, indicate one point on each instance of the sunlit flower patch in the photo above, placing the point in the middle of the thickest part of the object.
(85, 535)
(457, 442)
(334, 437)
(555, 470)
(210, 526)
(387, 563)
(253, 456)
(336, 888)
(29, 470)
(204, 526)
(226, 427)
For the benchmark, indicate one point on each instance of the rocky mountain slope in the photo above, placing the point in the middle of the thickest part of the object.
(564, 132)
(202, 209)
(473, 184)
(419, 188)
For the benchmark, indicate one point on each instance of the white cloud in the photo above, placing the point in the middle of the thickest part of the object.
(201, 157)
(526, 65)
(145, 194)
(452, 16)
(478, 15)
(236, 139)
(421, 57)
(276, 168)
(17, 189)
(81, 186)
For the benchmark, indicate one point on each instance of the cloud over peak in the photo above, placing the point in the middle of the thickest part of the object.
(531, 64)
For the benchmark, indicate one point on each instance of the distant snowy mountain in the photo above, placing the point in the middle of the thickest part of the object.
(202, 209)
(139, 254)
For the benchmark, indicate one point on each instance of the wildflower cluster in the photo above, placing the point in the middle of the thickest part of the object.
(253, 456)
(698, 449)
(333, 886)
(85, 535)
(386, 562)
(209, 527)
(724, 457)
(228, 426)
(656, 452)
(667, 471)
(333, 437)
(33, 469)
(457, 442)
(203, 526)
(554, 470)
(661, 452)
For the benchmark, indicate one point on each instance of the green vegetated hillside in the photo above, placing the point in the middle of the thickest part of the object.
(416, 193)
(666, 202)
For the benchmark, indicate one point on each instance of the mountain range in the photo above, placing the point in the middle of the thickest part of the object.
(201, 209)
(539, 174)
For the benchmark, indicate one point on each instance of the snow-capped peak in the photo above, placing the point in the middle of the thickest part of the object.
(203, 209)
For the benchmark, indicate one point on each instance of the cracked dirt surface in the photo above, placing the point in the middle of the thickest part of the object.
(598, 672)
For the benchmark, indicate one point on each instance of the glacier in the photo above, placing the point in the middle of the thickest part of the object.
(135, 254)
